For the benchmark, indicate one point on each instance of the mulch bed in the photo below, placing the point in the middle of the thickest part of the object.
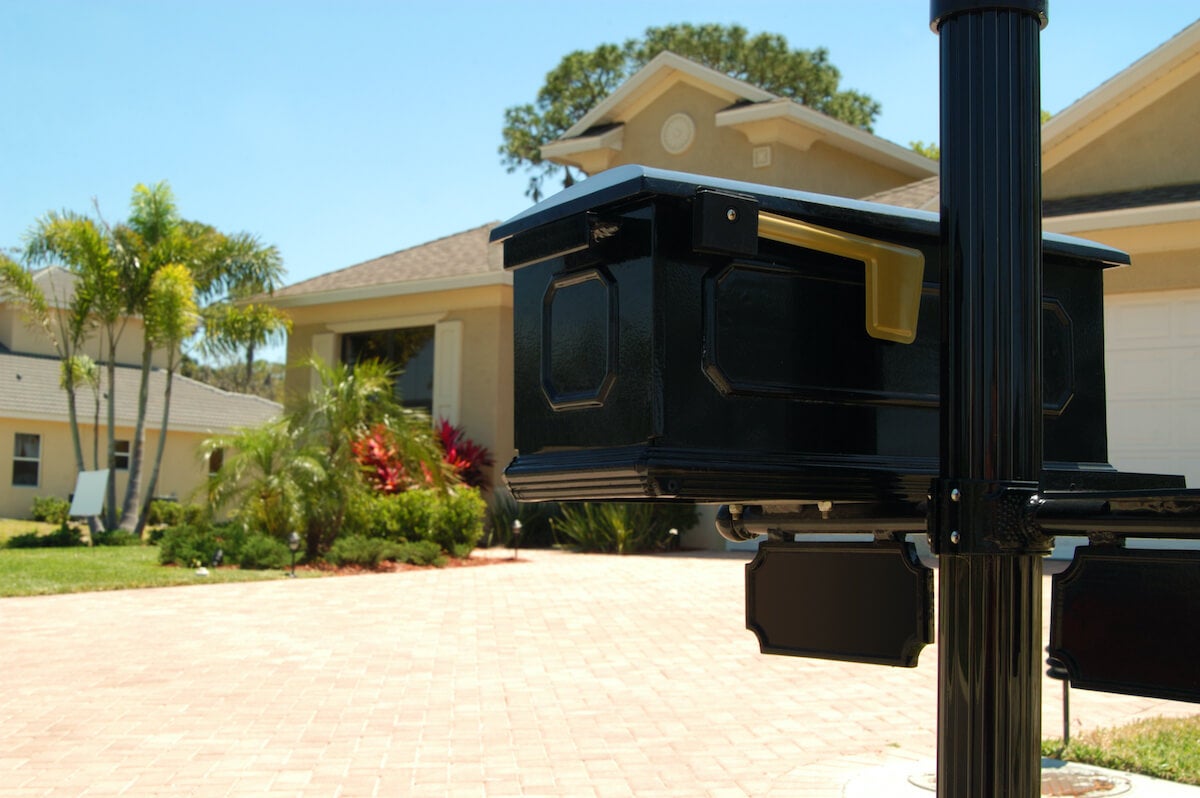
(396, 567)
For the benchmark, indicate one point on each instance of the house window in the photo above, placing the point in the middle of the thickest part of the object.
(216, 459)
(121, 455)
(27, 459)
(409, 350)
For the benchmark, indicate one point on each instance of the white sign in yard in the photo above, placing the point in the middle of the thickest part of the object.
(89, 493)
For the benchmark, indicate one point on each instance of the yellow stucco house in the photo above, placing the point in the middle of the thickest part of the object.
(35, 434)
(1120, 168)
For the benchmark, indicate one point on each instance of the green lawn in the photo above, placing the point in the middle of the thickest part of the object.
(1165, 748)
(33, 572)
(10, 527)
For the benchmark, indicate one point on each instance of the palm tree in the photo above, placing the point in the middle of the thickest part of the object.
(80, 280)
(240, 328)
(170, 317)
(267, 474)
(113, 271)
(233, 323)
(150, 240)
(154, 238)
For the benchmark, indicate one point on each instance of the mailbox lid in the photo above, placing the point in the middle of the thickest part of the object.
(628, 182)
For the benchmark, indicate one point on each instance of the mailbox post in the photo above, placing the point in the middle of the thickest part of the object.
(989, 689)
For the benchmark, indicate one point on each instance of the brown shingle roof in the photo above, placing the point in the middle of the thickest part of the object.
(1117, 200)
(924, 194)
(921, 194)
(455, 255)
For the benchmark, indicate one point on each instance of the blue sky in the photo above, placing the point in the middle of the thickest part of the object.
(341, 131)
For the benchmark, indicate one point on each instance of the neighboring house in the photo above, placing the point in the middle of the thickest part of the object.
(1122, 166)
(35, 433)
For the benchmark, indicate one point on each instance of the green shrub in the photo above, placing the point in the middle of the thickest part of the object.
(261, 553)
(50, 509)
(193, 545)
(458, 522)
(65, 536)
(406, 516)
(117, 537)
(451, 519)
(169, 512)
(419, 552)
(359, 550)
(370, 552)
(164, 512)
(194, 514)
(622, 528)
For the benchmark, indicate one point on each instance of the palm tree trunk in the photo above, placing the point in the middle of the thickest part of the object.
(96, 429)
(158, 454)
(93, 522)
(110, 508)
(249, 367)
(131, 507)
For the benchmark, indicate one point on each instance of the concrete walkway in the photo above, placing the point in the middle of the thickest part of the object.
(560, 675)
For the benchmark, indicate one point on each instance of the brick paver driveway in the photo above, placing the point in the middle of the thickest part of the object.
(562, 674)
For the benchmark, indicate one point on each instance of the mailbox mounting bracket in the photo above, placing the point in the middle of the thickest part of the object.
(971, 516)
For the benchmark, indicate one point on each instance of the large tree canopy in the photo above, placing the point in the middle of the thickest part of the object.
(583, 78)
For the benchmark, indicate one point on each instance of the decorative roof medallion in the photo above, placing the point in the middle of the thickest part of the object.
(677, 134)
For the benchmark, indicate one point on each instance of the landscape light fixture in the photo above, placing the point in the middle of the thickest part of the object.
(293, 546)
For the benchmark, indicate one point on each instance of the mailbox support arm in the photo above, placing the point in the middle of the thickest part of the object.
(741, 522)
(1104, 516)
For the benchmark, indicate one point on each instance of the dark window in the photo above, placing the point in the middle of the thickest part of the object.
(121, 455)
(409, 350)
(215, 460)
(27, 459)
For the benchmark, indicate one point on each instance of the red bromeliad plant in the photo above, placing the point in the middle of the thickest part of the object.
(465, 456)
(381, 464)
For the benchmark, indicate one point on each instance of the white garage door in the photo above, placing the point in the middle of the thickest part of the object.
(1153, 369)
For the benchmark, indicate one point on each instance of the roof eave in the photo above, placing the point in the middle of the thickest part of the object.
(837, 133)
(1125, 217)
(393, 289)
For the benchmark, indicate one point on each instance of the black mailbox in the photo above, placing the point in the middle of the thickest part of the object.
(682, 337)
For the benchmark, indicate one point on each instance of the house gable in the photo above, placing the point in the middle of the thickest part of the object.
(1154, 147)
(1136, 92)
(676, 114)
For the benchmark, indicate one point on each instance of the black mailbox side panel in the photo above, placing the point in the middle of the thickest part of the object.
(646, 369)
(586, 374)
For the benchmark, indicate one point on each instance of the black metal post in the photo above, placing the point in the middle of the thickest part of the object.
(989, 646)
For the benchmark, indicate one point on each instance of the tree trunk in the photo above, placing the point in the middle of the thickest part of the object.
(110, 504)
(96, 428)
(152, 485)
(249, 367)
(131, 511)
